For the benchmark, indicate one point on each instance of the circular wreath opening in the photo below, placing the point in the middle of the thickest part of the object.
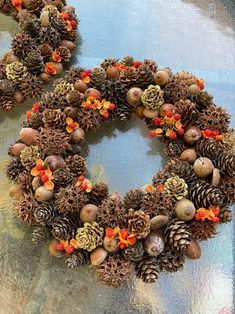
(154, 228)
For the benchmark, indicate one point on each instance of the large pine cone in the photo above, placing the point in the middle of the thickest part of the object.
(51, 36)
(88, 119)
(135, 252)
(78, 258)
(14, 168)
(171, 260)
(45, 213)
(75, 99)
(138, 223)
(187, 110)
(16, 71)
(115, 271)
(60, 26)
(152, 97)
(90, 236)
(31, 86)
(175, 148)
(133, 199)
(29, 156)
(202, 100)
(114, 91)
(25, 208)
(22, 44)
(148, 269)
(98, 193)
(40, 235)
(34, 62)
(31, 26)
(177, 235)
(54, 118)
(76, 165)
(176, 187)
(160, 177)
(202, 230)
(65, 228)
(98, 76)
(53, 101)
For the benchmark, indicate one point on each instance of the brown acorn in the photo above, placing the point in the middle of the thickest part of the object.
(189, 155)
(68, 44)
(54, 162)
(133, 96)
(28, 136)
(98, 256)
(19, 97)
(150, 113)
(59, 67)
(161, 78)
(203, 167)
(111, 245)
(11, 57)
(77, 136)
(193, 250)
(70, 112)
(194, 89)
(43, 195)
(17, 148)
(154, 243)
(192, 135)
(185, 209)
(46, 78)
(112, 73)
(158, 222)
(91, 92)
(139, 112)
(80, 86)
(165, 108)
(88, 213)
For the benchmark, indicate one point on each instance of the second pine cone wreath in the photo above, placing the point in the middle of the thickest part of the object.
(152, 229)
(44, 44)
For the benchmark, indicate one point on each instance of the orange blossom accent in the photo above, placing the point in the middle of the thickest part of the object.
(71, 125)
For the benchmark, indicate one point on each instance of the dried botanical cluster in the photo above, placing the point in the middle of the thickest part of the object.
(151, 229)
(47, 37)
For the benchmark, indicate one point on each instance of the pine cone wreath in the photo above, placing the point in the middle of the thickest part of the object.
(25, 207)
(77, 258)
(34, 62)
(54, 118)
(133, 199)
(177, 235)
(16, 71)
(115, 271)
(187, 110)
(202, 230)
(174, 91)
(152, 97)
(65, 228)
(22, 44)
(88, 119)
(29, 156)
(45, 214)
(98, 76)
(148, 270)
(175, 148)
(171, 260)
(138, 223)
(98, 193)
(62, 177)
(40, 235)
(13, 169)
(90, 236)
(124, 112)
(225, 215)
(176, 187)
(76, 164)
(144, 76)
(135, 252)
(202, 100)
(64, 54)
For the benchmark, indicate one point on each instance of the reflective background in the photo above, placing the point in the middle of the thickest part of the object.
(196, 36)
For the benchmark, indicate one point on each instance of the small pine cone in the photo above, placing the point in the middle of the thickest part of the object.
(175, 148)
(51, 36)
(202, 100)
(157, 203)
(111, 212)
(90, 236)
(14, 168)
(52, 142)
(186, 77)
(151, 64)
(16, 71)
(128, 76)
(31, 26)
(64, 53)
(35, 120)
(177, 235)
(59, 25)
(76, 164)
(6, 103)
(70, 200)
(176, 187)
(22, 44)
(25, 207)
(144, 76)
(227, 186)
(73, 36)
(115, 271)
(127, 61)
(77, 258)
(98, 76)
(225, 215)
(88, 119)
(34, 62)
(65, 228)
(160, 177)
(40, 235)
(202, 230)
(63, 88)
(124, 112)
(25, 180)
(187, 110)
(3, 65)
(7, 88)
(51, 9)
(62, 177)
(138, 223)
(135, 252)
(229, 140)
(29, 156)
(45, 214)
(73, 74)
(174, 91)
(148, 270)
(31, 86)
(46, 51)
(34, 6)
(152, 97)
(171, 260)
(54, 118)
(183, 170)
(75, 99)
(74, 149)
(98, 193)
(53, 101)
(108, 63)
(133, 199)
(58, 3)
(114, 91)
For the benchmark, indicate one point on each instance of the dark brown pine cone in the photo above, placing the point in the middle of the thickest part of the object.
(62, 177)
(225, 215)
(177, 235)
(127, 61)
(25, 207)
(77, 258)
(76, 164)
(124, 112)
(31, 26)
(202, 230)
(175, 148)
(7, 87)
(35, 120)
(174, 91)
(25, 180)
(50, 35)
(3, 65)
(151, 64)
(160, 177)
(183, 170)
(6, 103)
(34, 6)
(134, 252)
(171, 260)
(227, 186)
(14, 168)
(88, 119)
(133, 199)
(114, 91)
(144, 76)
(108, 62)
(54, 118)
(45, 213)
(46, 51)
(148, 270)
(34, 62)
(138, 223)
(73, 74)
(40, 235)
(60, 26)
(75, 99)
(22, 44)
(128, 76)
(65, 228)
(98, 76)
(187, 110)
(202, 100)
(64, 53)
(98, 193)
(30, 86)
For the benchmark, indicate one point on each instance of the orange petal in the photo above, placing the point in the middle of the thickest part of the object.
(69, 120)
(49, 185)
(76, 125)
(69, 129)
(34, 172)
(87, 79)
(48, 172)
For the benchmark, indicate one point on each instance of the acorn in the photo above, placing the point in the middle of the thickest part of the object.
(16, 190)
(112, 73)
(68, 44)
(154, 243)
(77, 136)
(92, 92)
(36, 183)
(28, 136)
(203, 167)
(80, 86)
(11, 58)
(88, 213)
(70, 112)
(98, 256)
(54, 162)
(46, 78)
(44, 19)
(192, 134)
(43, 195)
(194, 89)
(19, 97)
(139, 112)
(165, 108)
(215, 177)
(189, 155)
(111, 245)
(161, 78)
(133, 96)
(59, 67)
(185, 209)
(158, 222)
(148, 113)
(17, 148)
(193, 250)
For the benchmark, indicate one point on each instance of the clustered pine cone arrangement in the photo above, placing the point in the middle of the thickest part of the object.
(151, 229)
(44, 44)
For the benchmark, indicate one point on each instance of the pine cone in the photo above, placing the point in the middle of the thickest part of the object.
(16, 71)
(60, 26)
(31, 86)
(177, 235)
(24, 208)
(53, 101)
(157, 203)
(31, 26)
(14, 168)
(183, 170)
(202, 230)
(227, 186)
(128, 76)
(98, 193)
(50, 35)
(98, 76)
(46, 51)
(175, 148)
(144, 76)
(125, 112)
(25, 180)
(135, 252)
(40, 235)
(35, 120)
(62, 177)
(127, 61)
(88, 119)
(45, 214)
(29, 156)
(73, 74)
(64, 53)
(7, 88)
(186, 78)
(138, 223)
(229, 140)
(3, 65)
(75, 99)
(148, 270)
(225, 215)
(174, 91)
(65, 228)
(108, 62)
(115, 271)
(171, 260)
(76, 164)
(63, 88)
(202, 100)
(176, 187)
(114, 91)
(6, 103)
(133, 199)
(74, 149)
(77, 258)
(52, 142)
(187, 110)
(70, 200)
(22, 44)
(34, 6)
(90, 236)
(151, 64)
(54, 118)
(152, 97)
(160, 177)
(59, 4)
(34, 62)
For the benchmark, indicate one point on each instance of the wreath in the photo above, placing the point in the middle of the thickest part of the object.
(48, 36)
(151, 229)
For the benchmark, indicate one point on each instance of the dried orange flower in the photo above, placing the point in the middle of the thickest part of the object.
(44, 173)
(71, 125)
